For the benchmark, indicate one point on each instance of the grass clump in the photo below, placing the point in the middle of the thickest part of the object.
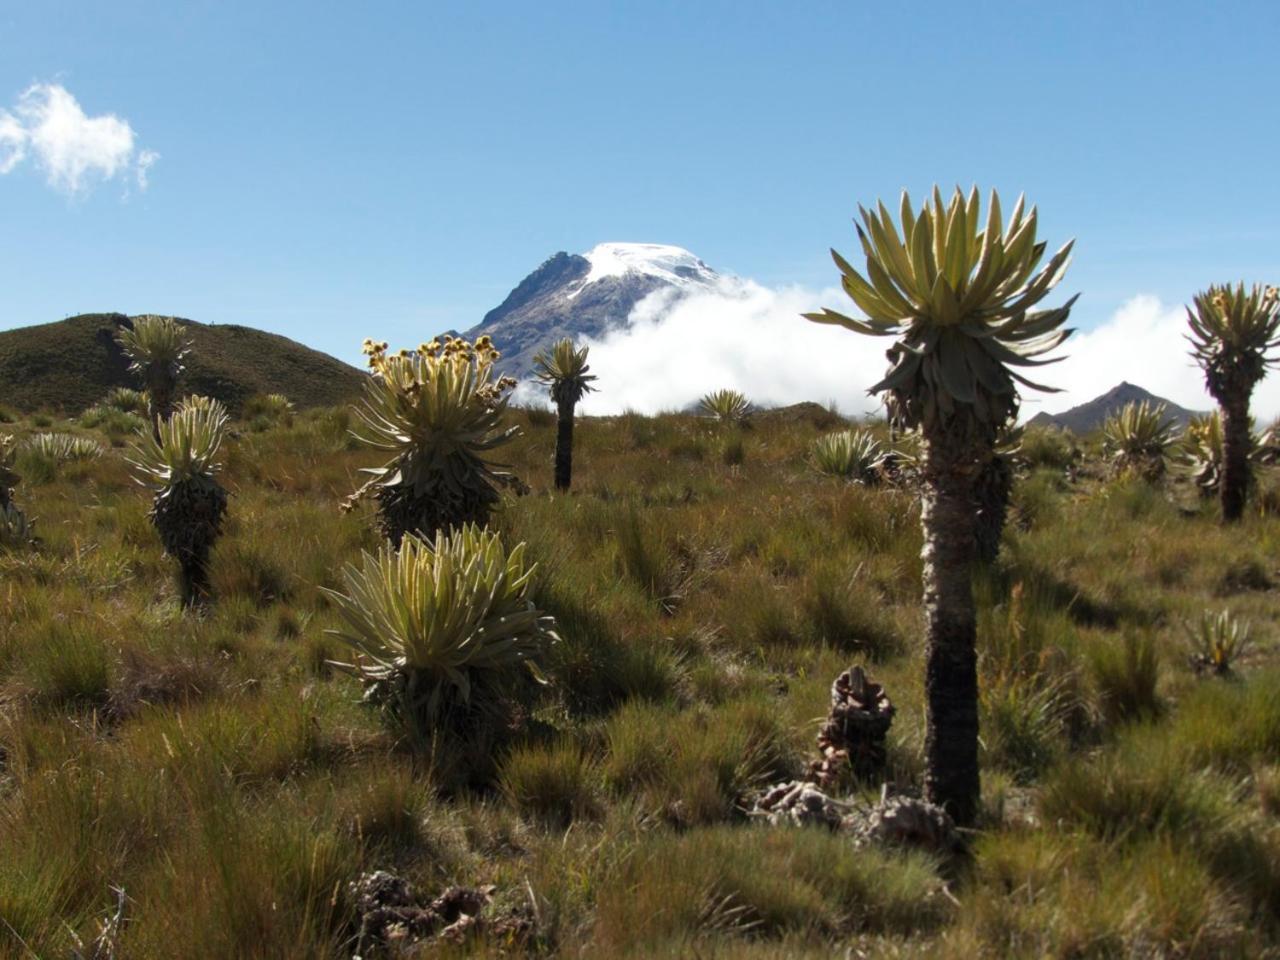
(696, 767)
(745, 883)
(219, 768)
(554, 784)
(1127, 674)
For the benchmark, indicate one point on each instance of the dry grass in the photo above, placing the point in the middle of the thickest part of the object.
(219, 772)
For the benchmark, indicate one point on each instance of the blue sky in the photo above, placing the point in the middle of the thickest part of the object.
(331, 171)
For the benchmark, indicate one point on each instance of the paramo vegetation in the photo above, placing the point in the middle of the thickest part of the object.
(440, 675)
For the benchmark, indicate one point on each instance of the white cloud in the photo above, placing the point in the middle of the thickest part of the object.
(145, 159)
(742, 335)
(13, 141)
(1143, 342)
(74, 150)
(753, 339)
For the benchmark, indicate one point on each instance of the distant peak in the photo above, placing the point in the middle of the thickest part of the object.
(670, 263)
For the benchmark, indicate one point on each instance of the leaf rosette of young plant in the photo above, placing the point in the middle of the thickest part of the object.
(854, 455)
(157, 349)
(726, 406)
(438, 411)
(272, 406)
(62, 447)
(1202, 452)
(126, 400)
(1139, 439)
(198, 401)
(1217, 640)
(442, 623)
(189, 504)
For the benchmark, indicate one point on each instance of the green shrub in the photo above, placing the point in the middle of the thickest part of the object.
(1048, 447)
(126, 400)
(1037, 499)
(648, 558)
(846, 613)
(733, 450)
(111, 421)
(274, 407)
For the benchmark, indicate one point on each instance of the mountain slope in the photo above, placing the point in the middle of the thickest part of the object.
(576, 295)
(70, 364)
(1090, 416)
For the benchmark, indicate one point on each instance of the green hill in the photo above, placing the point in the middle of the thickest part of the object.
(70, 364)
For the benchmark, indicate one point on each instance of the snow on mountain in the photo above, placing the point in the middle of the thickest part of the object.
(587, 295)
(673, 265)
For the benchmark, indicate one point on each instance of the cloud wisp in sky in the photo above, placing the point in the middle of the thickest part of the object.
(752, 338)
(75, 151)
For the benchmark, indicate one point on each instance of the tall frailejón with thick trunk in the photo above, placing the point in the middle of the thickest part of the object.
(955, 288)
(157, 349)
(564, 370)
(1233, 334)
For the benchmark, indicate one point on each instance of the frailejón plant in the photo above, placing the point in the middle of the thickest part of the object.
(1139, 438)
(157, 349)
(441, 623)
(1217, 640)
(438, 412)
(189, 504)
(852, 454)
(564, 370)
(726, 406)
(1234, 333)
(956, 289)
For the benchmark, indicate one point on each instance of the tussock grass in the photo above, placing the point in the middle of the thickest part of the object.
(746, 883)
(218, 770)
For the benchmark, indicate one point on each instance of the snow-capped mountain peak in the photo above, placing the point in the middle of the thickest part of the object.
(674, 265)
(587, 295)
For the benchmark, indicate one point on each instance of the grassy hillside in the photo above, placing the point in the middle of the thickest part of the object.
(708, 589)
(70, 364)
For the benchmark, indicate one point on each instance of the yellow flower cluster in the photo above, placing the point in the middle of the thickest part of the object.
(411, 368)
